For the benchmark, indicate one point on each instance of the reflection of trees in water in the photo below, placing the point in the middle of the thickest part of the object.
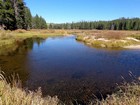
(20, 46)
(7, 49)
(27, 45)
(15, 61)
(14, 65)
(39, 41)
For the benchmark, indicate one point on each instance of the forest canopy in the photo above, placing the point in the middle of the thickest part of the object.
(14, 14)
(118, 24)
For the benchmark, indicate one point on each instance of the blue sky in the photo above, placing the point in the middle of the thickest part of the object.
(61, 11)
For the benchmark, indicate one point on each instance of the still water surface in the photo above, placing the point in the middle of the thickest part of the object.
(69, 69)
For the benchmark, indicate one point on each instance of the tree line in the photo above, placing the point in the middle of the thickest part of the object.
(14, 14)
(118, 24)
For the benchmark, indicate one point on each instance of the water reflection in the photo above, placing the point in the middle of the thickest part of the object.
(64, 67)
(14, 61)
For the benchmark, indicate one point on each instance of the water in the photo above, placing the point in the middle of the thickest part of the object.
(69, 69)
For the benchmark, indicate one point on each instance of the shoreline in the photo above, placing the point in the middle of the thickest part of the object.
(12, 91)
(132, 47)
(112, 42)
(95, 38)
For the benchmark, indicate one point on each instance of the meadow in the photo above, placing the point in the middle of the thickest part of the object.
(95, 38)
(9, 40)
(110, 39)
(12, 93)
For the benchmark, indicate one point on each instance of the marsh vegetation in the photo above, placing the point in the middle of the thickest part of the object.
(11, 93)
(91, 63)
(110, 39)
(9, 40)
(74, 64)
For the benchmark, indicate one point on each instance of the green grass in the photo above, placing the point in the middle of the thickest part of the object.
(6, 35)
(8, 39)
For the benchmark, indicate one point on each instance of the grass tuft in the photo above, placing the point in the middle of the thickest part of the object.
(11, 94)
(128, 94)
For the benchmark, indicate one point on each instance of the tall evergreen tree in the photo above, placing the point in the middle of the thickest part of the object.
(39, 22)
(118, 24)
(7, 18)
(43, 24)
(28, 18)
(19, 9)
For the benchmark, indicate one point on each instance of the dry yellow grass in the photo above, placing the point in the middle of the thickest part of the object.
(129, 94)
(14, 95)
(109, 39)
(11, 94)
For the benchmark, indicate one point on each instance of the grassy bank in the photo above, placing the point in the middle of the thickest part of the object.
(128, 94)
(96, 38)
(9, 39)
(109, 39)
(13, 94)
(9, 36)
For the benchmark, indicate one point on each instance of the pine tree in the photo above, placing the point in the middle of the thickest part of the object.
(39, 22)
(28, 18)
(19, 9)
(43, 24)
(118, 24)
(7, 18)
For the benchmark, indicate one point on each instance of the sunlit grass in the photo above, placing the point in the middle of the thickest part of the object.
(109, 39)
(8, 39)
(116, 37)
(128, 94)
(38, 33)
(12, 94)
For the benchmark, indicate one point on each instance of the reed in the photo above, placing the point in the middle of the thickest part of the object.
(128, 94)
(12, 94)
